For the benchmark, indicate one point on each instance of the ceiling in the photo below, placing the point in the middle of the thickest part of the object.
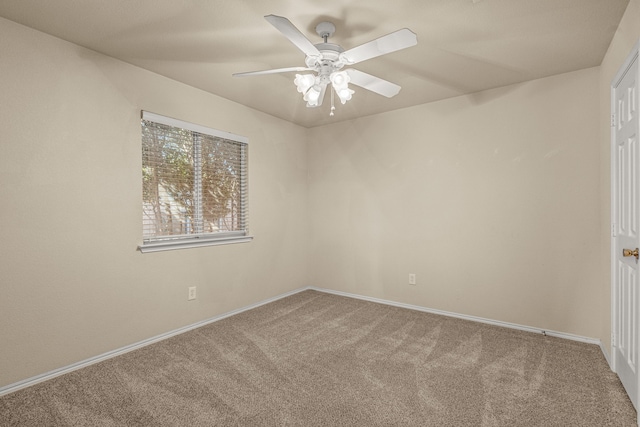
(464, 46)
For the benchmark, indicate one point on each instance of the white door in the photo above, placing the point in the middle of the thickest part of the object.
(626, 226)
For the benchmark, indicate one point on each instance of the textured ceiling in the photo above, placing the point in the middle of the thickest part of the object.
(464, 46)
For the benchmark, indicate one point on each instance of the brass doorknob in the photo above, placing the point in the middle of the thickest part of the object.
(631, 252)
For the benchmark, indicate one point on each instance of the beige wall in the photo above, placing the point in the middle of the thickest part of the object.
(491, 199)
(624, 40)
(73, 285)
(498, 201)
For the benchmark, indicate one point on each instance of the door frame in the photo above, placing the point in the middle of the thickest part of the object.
(624, 68)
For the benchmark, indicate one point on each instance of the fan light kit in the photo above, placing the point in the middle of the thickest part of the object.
(327, 61)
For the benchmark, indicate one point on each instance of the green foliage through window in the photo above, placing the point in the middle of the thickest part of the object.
(193, 183)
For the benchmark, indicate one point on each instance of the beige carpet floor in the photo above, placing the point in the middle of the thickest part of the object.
(316, 359)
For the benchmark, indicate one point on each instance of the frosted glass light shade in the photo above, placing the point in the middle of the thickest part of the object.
(304, 81)
(340, 80)
(345, 94)
(313, 95)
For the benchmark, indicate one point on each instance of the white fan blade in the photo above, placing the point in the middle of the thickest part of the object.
(373, 83)
(274, 71)
(398, 40)
(293, 34)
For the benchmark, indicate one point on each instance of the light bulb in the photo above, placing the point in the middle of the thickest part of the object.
(313, 95)
(340, 80)
(304, 81)
(345, 94)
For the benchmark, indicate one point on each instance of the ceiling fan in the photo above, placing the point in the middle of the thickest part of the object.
(327, 60)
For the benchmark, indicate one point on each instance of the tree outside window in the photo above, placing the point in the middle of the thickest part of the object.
(193, 183)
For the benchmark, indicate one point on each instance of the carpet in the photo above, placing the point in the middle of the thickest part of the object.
(317, 359)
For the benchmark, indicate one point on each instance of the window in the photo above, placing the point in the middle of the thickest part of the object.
(194, 185)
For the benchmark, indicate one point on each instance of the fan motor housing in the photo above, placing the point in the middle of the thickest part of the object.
(329, 48)
(329, 56)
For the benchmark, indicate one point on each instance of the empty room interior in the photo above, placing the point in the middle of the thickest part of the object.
(479, 192)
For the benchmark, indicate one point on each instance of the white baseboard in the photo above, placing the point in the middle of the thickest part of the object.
(606, 355)
(108, 355)
(467, 317)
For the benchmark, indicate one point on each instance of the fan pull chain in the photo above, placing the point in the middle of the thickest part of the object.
(333, 107)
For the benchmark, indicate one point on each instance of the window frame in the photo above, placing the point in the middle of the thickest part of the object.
(172, 242)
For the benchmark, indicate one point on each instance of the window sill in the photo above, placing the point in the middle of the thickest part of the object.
(170, 245)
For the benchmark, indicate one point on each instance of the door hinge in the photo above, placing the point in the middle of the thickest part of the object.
(613, 339)
(613, 120)
(613, 230)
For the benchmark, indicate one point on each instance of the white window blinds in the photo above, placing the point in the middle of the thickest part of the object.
(194, 182)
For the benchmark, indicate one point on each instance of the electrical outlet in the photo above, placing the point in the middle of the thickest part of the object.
(192, 293)
(412, 279)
